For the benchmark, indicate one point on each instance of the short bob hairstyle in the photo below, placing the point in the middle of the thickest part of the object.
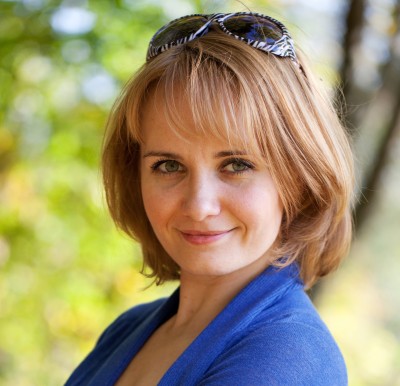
(274, 109)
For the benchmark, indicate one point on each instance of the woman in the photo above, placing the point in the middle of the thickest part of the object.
(227, 163)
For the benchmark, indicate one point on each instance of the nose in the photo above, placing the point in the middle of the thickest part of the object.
(202, 198)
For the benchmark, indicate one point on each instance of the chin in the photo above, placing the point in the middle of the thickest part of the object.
(208, 270)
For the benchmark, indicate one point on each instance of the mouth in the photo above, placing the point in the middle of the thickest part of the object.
(204, 237)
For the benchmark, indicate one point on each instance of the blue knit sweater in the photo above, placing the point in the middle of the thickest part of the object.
(269, 334)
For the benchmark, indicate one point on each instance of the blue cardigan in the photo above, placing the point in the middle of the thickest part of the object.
(269, 334)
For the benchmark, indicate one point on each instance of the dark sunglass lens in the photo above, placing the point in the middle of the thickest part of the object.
(178, 29)
(253, 27)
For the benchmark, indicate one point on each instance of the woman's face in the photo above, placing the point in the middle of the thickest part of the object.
(214, 208)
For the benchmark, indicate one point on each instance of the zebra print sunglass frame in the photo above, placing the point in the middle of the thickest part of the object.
(260, 31)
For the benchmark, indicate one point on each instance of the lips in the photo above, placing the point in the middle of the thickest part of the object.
(204, 237)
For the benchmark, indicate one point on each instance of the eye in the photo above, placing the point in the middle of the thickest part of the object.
(167, 166)
(237, 166)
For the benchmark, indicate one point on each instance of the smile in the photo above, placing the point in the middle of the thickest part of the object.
(202, 238)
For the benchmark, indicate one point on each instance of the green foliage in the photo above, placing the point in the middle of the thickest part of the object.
(65, 271)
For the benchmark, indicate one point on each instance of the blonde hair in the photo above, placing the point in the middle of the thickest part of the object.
(237, 92)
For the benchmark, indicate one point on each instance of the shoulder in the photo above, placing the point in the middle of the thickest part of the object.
(110, 341)
(281, 354)
(291, 346)
(127, 321)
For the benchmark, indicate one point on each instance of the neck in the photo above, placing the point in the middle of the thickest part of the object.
(202, 298)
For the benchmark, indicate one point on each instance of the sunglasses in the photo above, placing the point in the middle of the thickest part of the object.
(259, 31)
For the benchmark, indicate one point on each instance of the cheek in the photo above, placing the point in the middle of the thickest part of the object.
(158, 204)
(152, 202)
(262, 208)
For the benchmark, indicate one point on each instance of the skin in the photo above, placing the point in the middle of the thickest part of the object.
(217, 212)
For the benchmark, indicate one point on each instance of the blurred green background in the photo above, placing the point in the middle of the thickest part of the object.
(66, 273)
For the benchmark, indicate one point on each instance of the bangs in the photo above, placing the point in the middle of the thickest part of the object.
(202, 97)
(206, 92)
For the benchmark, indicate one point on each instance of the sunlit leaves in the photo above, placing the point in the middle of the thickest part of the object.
(65, 272)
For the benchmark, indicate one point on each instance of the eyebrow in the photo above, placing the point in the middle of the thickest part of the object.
(161, 154)
(230, 153)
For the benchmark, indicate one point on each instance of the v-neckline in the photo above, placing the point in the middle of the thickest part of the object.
(135, 341)
(239, 313)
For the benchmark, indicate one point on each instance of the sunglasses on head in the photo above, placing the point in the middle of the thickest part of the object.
(259, 31)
